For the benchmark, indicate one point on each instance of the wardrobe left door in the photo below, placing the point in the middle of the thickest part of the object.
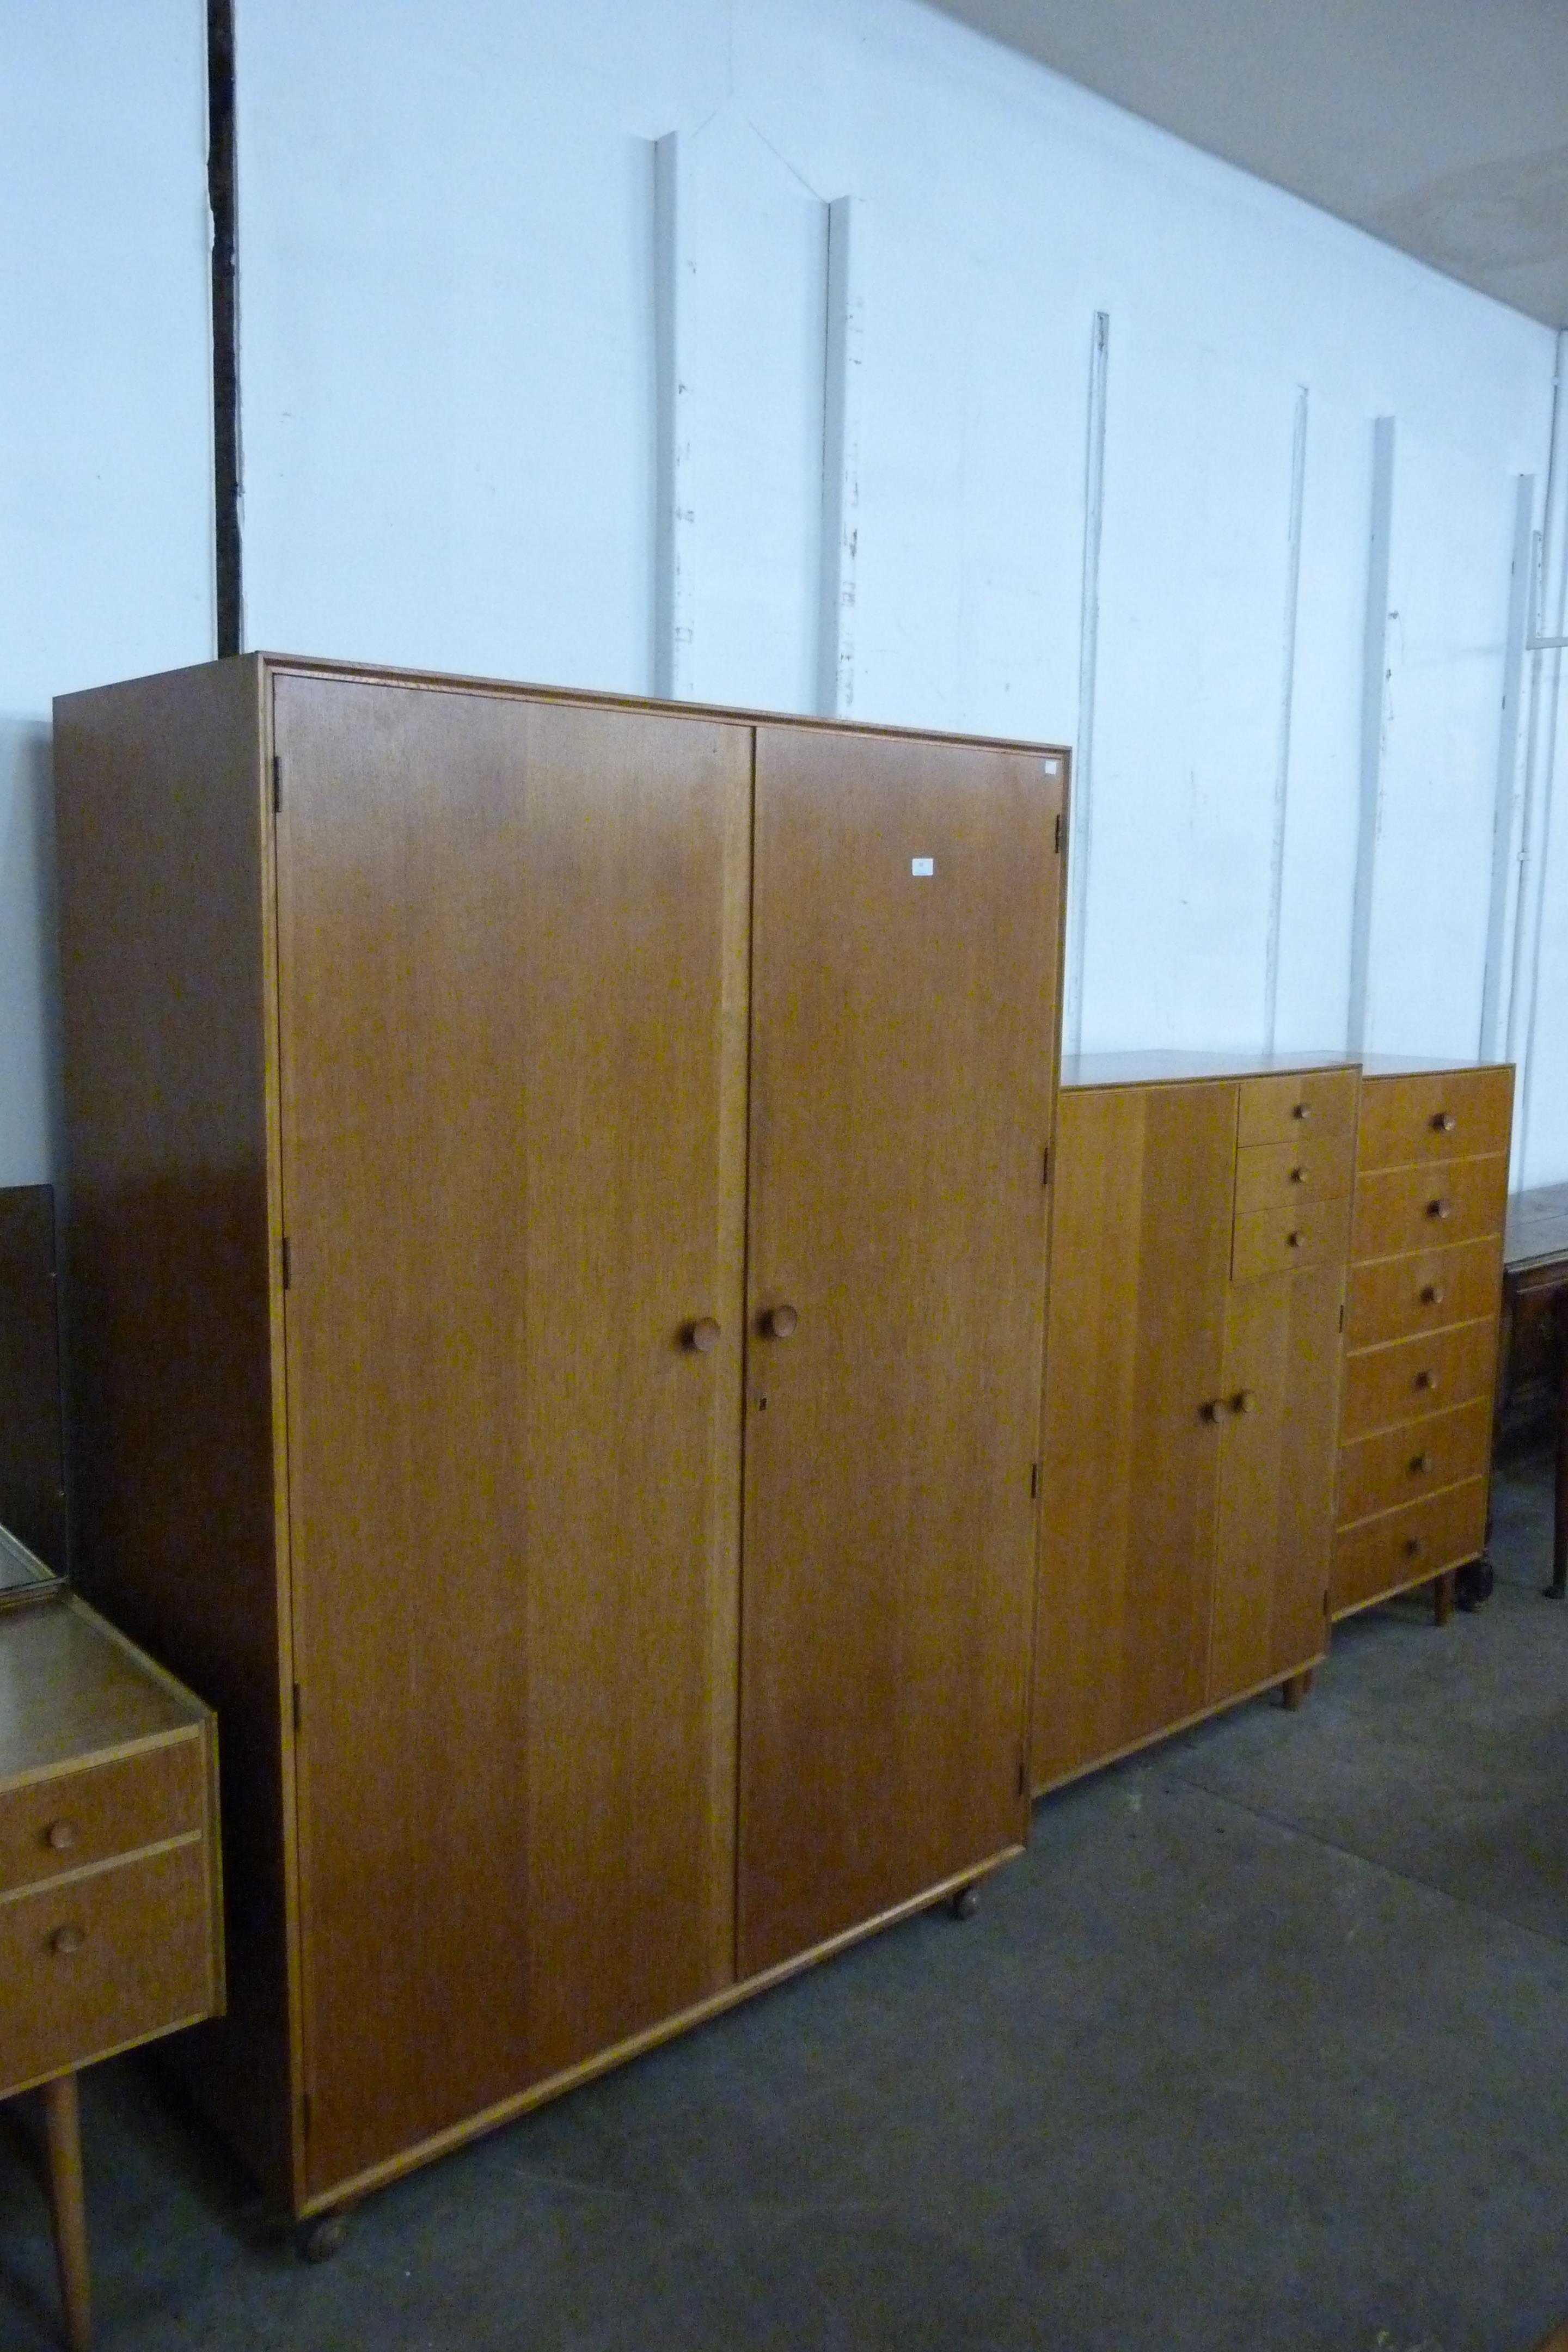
(512, 1002)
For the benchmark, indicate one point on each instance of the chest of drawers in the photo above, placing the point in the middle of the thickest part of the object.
(1421, 1328)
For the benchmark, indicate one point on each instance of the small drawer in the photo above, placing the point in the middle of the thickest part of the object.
(1435, 1115)
(1415, 1377)
(1278, 1241)
(1300, 1103)
(1288, 1176)
(68, 1819)
(1393, 1298)
(105, 1960)
(1413, 1208)
(1399, 1465)
(1406, 1546)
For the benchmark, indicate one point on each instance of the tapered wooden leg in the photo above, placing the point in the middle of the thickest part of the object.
(63, 2129)
(1443, 1597)
(1295, 1687)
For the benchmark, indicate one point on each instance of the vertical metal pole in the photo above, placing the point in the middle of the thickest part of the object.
(674, 517)
(223, 202)
(843, 356)
(1081, 834)
(1545, 712)
(1287, 702)
(1507, 797)
(1374, 667)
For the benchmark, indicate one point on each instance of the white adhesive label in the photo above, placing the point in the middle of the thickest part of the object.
(923, 865)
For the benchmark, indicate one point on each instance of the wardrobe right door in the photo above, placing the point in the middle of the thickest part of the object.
(904, 965)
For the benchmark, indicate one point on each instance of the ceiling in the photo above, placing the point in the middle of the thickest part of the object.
(1440, 126)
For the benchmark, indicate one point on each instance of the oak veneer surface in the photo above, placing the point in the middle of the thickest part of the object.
(901, 1071)
(513, 1024)
(163, 819)
(1140, 1248)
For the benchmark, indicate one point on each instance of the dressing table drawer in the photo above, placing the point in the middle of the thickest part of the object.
(67, 1821)
(93, 1962)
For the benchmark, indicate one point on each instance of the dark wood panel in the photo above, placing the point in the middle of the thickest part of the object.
(1140, 1251)
(32, 1482)
(163, 857)
(514, 1033)
(902, 1105)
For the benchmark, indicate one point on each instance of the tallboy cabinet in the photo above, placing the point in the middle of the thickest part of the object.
(1200, 1231)
(557, 1264)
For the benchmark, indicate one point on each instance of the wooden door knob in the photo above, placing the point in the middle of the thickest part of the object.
(1298, 1175)
(1412, 1547)
(1431, 1294)
(60, 1835)
(780, 1321)
(1300, 1110)
(1243, 1401)
(1426, 1379)
(1443, 1122)
(1420, 1463)
(1294, 1240)
(1439, 1208)
(704, 1335)
(69, 1939)
(1216, 1409)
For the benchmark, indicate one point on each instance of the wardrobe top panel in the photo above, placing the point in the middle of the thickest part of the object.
(305, 665)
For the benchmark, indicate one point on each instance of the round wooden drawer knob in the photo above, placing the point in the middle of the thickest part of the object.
(780, 1321)
(1298, 1175)
(1439, 1208)
(1443, 1122)
(1420, 1463)
(704, 1335)
(1431, 1294)
(1426, 1380)
(67, 1939)
(1300, 1110)
(1412, 1547)
(61, 1836)
(1216, 1409)
(1294, 1241)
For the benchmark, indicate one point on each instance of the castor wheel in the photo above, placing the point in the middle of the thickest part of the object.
(321, 2237)
(1473, 1584)
(965, 1903)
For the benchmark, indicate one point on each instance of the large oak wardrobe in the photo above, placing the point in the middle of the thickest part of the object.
(557, 1275)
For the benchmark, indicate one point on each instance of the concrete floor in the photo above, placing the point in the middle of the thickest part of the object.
(1263, 2046)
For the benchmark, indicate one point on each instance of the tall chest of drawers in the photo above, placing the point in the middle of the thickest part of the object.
(1421, 1325)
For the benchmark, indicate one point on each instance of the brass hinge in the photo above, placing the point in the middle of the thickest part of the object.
(1034, 1481)
(1046, 1165)
(299, 1708)
(1059, 834)
(276, 782)
(283, 1254)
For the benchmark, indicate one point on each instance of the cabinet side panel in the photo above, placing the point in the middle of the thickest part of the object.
(162, 884)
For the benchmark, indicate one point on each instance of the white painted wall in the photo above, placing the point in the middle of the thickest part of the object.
(450, 296)
(105, 438)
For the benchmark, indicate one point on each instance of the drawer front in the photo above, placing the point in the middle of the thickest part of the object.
(1403, 1209)
(1305, 1103)
(96, 1962)
(1435, 1115)
(72, 1819)
(1395, 1297)
(1419, 1376)
(1407, 1546)
(1400, 1466)
(1278, 1241)
(1288, 1176)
